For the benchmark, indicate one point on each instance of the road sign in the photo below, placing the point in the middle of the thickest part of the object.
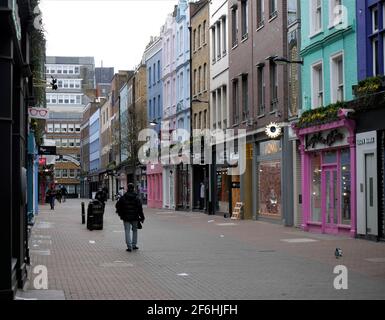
(47, 150)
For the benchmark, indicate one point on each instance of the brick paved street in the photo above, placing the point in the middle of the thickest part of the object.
(194, 256)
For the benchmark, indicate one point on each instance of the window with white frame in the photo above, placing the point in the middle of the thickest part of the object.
(214, 112)
(181, 39)
(199, 36)
(273, 8)
(50, 127)
(72, 173)
(57, 173)
(77, 142)
(58, 143)
(204, 32)
(316, 16)
(57, 127)
(224, 35)
(64, 127)
(234, 23)
(213, 46)
(376, 61)
(261, 90)
(337, 77)
(218, 29)
(260, 13)
(375, 21)
(273, 86)
(317, 85)
(199, 79)
(245, 18)
(181, 84)
(205, 77)
(77, 127)
(71, 127)
(64, 173)
(71, 143)
(335, 13)
(64, 143)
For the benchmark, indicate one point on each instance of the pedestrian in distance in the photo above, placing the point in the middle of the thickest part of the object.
(101, 196)
(130, 210)
(105, 190)
(202, 194)
(51, 194)
(63, 191)
(58, 195)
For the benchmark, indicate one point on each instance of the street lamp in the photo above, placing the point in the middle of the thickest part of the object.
(199, 101)
(153, 123)
(285, 61)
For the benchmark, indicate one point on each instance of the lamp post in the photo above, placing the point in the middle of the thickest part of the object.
(284, 61)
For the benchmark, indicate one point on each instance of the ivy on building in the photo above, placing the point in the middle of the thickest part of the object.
(37, 64)
(320, 116)
(368, 86)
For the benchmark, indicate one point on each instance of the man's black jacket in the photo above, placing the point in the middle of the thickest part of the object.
(129, 207)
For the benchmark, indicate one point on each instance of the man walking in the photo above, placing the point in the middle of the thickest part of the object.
(51, 194)
(63, 190)
(130, 210)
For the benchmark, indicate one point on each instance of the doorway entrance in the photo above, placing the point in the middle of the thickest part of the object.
(330, 199)
(371, 194)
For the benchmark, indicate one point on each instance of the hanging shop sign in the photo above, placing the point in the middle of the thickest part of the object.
(38, 113)
(330, 138)
(273, 130)
(47, 150)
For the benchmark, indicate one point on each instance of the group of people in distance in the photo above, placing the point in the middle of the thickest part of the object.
(128, 207)
(58, 194)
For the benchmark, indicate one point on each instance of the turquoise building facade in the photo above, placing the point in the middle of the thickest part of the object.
(328, 149)
(329, 43)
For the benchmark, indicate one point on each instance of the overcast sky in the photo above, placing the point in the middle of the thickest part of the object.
(115, 31)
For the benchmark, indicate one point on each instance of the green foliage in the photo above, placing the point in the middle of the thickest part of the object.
(320, 115)
(37, 61)
(369, 86)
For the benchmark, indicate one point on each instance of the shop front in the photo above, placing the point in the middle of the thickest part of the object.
(168, 180)
(370, 141)
(328, 164)
(223, 190)
(154, 183)
(269, 177)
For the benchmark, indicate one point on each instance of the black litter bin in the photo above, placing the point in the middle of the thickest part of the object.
(95, 212)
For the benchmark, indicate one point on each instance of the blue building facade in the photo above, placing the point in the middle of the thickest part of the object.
(123, 116)
(182, 64)
(153, 60)
(32, 179)
(370, 38)
(154, 64)
(95, 142)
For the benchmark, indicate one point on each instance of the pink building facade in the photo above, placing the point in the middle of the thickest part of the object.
(328, 161)
(154, 185)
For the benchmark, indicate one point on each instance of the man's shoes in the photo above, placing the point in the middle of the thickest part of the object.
(135, 247)
(128, 249)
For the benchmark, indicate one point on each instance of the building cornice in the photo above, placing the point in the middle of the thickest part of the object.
(333, 37)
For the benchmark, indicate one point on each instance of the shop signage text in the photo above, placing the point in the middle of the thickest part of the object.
(330, 139)
(370, 140)
(47, 150)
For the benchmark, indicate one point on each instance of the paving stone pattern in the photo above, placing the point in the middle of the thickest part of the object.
(185, 255)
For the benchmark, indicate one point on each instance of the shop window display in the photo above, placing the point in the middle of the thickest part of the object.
(345, 187)
(316, 187)
(270, 188)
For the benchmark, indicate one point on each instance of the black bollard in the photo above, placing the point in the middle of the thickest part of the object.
(83, 213)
